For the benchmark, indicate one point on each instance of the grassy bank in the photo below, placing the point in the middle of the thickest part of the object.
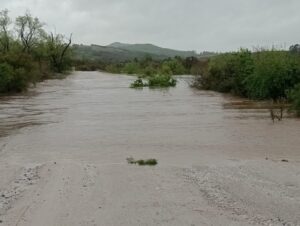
(263, 75)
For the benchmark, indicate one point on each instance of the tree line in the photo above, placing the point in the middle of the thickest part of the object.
(28, 53)
(145, 67)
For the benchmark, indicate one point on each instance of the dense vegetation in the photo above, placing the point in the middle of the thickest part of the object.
(28, 53)
(146, 66)
(132, 58)
(262, 75)
(156, 73)
(149, 67)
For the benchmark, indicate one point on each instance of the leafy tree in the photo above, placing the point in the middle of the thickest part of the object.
(29, 54)
(5, 21)
(295, 99)
(166, 70)
(295, 48)
(174, 66)
(131, 68)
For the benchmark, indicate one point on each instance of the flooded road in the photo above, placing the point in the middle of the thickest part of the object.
(63, 150)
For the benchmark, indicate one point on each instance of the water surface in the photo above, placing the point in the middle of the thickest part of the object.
(97, 112)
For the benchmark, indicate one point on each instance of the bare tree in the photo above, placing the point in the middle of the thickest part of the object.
(29, 31)
(295, 48)
(58, 48)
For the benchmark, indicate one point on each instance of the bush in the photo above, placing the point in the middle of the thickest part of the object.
(131, 68)
(173, 67)
(115, 69)
(166, 70)
(162, 81)
(17, 71)
(137, 83)
(150, 70)
(6, 77)
(275, 73)
(227, 72)
(294, 97)
(141, 162)
(260, 75)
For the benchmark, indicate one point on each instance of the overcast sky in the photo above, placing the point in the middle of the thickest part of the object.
(213, 25)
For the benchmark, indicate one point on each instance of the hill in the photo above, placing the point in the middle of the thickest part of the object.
(153, 50)
(120, 52)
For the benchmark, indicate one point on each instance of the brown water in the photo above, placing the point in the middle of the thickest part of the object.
(63, 150)
(97, 112)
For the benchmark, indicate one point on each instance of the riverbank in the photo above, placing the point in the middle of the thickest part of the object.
(260, 75)
(65, 144)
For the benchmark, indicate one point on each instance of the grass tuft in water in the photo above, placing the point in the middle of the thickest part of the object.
(141, 162)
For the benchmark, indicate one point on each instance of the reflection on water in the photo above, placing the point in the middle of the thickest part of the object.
(91, 110)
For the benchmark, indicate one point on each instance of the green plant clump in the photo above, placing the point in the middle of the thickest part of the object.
(155, 81)
(138, 83)
(162, 81)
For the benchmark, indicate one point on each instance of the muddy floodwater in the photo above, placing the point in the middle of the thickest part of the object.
(64, 144)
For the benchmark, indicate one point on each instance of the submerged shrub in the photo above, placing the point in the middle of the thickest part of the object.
(162, 81)
(155, 81)
(138, 83)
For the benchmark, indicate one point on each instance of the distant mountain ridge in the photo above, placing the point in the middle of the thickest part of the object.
(122, 52)
(153, 49)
